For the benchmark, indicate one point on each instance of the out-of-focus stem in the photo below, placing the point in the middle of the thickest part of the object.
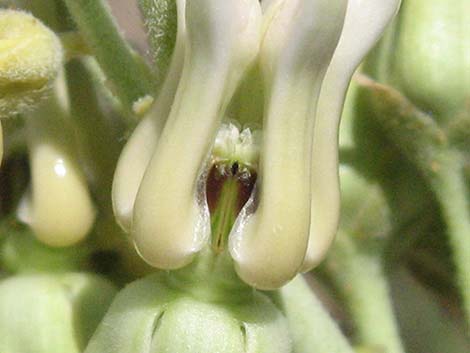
(98, 133)
(74, 45)
(359, 276)
(449, 185)
(427, 145)
(311, 326)
(129, 76)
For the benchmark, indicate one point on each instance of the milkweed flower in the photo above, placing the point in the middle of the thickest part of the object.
(304, 53)
(185, 189)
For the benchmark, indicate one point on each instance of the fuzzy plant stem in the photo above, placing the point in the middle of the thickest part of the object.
(129, 76)
(358, 273)
(160, 20)
(427, 145)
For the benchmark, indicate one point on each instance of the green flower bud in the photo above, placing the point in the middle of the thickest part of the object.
(157, 314)
(425, 55)
(31, 57)
(51, 313)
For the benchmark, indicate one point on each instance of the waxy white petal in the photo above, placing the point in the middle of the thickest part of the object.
(171, 220)
(61, 211)
(269, 246)
(138, 151)
(364, 24)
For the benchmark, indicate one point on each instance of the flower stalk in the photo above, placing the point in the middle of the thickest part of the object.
(312, 328)
(112, 52)
(361, 279)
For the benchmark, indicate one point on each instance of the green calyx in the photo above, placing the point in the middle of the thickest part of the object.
(153, 315)
(51, 313)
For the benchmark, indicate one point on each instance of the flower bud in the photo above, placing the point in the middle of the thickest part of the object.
(31, 57)
(425, 55)
(59, 207)
(51, 313)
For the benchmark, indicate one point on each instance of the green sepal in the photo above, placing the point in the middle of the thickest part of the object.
(425, 55)
(51, 313)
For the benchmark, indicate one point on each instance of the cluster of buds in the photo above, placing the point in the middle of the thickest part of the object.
(230, 180)
(48, 305)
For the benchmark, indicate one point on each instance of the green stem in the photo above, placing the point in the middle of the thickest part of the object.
(74, 45)
(358, 273)
(129, 76)
(51, 12)
(312, 328)
(160, 20)
(449, 185)
(98, 134)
